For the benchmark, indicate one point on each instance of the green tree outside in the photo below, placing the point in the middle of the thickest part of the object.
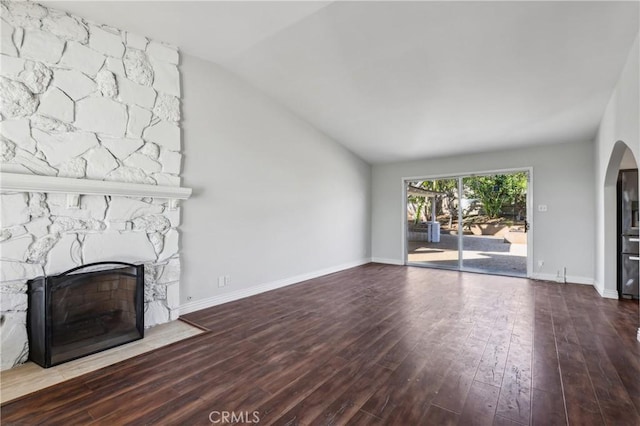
(498, 191)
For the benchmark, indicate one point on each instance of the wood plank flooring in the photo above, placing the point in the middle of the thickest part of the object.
(30, 377)
(376, 345)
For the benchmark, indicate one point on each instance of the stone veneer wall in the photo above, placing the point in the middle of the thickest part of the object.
(83, 100)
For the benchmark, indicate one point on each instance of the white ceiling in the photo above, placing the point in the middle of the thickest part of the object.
(407, 80)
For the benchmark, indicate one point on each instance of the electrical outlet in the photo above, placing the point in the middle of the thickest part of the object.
(227, 279)
(542, 207)
(540, 264)
(221, 281)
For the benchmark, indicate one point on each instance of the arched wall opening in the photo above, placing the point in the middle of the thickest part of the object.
(621, 155)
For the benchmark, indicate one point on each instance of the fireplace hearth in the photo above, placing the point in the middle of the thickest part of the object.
(85, 310)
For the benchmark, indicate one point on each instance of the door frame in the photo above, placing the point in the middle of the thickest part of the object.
(530, 218)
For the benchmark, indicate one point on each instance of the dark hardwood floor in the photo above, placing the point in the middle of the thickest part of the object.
(377, 345)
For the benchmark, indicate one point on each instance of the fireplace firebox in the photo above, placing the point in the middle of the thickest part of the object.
(85, 310)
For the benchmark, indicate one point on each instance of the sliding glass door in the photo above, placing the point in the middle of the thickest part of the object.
(472, 223)
(432, 210)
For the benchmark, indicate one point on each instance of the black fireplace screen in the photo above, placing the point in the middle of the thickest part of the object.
(85, 310)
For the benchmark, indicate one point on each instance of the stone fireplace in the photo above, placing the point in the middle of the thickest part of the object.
(85, 102)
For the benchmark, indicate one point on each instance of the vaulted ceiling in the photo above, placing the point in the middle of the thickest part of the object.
(404, 80)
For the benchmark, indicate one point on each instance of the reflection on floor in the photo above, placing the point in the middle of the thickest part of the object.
(481, 253)
(30, 377)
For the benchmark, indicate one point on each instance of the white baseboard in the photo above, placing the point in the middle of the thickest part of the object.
(579, 280)
(606, 293)
(610, 294)
(387, 261)
(208, 302)
(571, 279)
(545, 277)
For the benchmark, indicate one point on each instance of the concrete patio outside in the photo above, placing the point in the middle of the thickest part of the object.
(481, 253)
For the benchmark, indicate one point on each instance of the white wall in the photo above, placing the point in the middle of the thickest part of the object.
(562, 179)
(274, 199)
(628, 160)
(619, 130)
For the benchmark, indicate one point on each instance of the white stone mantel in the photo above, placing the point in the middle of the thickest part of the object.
(14, 182)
